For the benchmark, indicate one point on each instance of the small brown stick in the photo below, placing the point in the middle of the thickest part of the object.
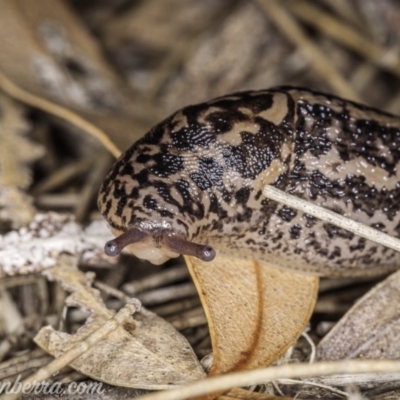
(63, 175)
(111, 291)
(92, 186)
(262, 376)
(20, 364)
(189, 319)
(331, 217)
(57, 200)
(169, 293)
(156, 280)
(293, 31)
(319, 385)
(346, 10)
(346, 36)
(14, 337)
(176, 307)
(78, 349)
(59, 111)
(189, 322)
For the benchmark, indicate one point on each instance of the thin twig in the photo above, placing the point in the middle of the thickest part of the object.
(262, 376)
(63, 175)
(92, 185)
(107, 289)
(333, 218)
(161, 278)
(312, 345)
(78, 349)
(169, 293)
(346, 35)
(293, 31)
(59, 111)
(320, 385)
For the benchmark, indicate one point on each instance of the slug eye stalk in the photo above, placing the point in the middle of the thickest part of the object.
(174, 243)
(115, 246)
(183, 246)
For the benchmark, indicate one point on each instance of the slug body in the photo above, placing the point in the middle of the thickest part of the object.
(196, 179)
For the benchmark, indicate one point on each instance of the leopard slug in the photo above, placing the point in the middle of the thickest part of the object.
(193, 184)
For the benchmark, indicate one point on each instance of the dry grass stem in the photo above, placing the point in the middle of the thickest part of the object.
(332, 217)
(161, 278)
(61, 112)
(323, 65)
(270, 374)
(346, 35)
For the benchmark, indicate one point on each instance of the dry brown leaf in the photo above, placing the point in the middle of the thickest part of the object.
(370, 329)
(242, 394)
(255, 312)
(147, 353)
(50, 61)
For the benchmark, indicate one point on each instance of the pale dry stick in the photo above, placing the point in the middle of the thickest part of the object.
(107, 289)
(14, 337)
(262, 376)
(61, 112)
(333, 284)
(21, 359)
(326, 306)
(320, 385)
(173, 292)
(57, 200)
(194, 312)
(345, 9)
(331, 217)
(363, 76)
(278, 389)
(393, 105)
(156, 280)
(189, 322)
(63, 175)
(345, 35)
(292, 30)
(78, 349)
(20, 367)
(363, 381)
(92, 184)
(177, 307)
(312, 346)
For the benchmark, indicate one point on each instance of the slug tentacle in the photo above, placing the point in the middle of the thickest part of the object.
(182, 246)
(114, 247)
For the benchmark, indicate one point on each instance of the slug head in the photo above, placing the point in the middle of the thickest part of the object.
(150, 203)
(195, 179)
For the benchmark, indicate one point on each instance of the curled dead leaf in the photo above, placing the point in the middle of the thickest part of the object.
(153, 355)
(255, 312)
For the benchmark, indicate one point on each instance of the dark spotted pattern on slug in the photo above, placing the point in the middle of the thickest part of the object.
(197, 177)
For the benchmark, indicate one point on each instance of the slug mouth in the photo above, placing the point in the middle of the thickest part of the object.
(157, 248)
